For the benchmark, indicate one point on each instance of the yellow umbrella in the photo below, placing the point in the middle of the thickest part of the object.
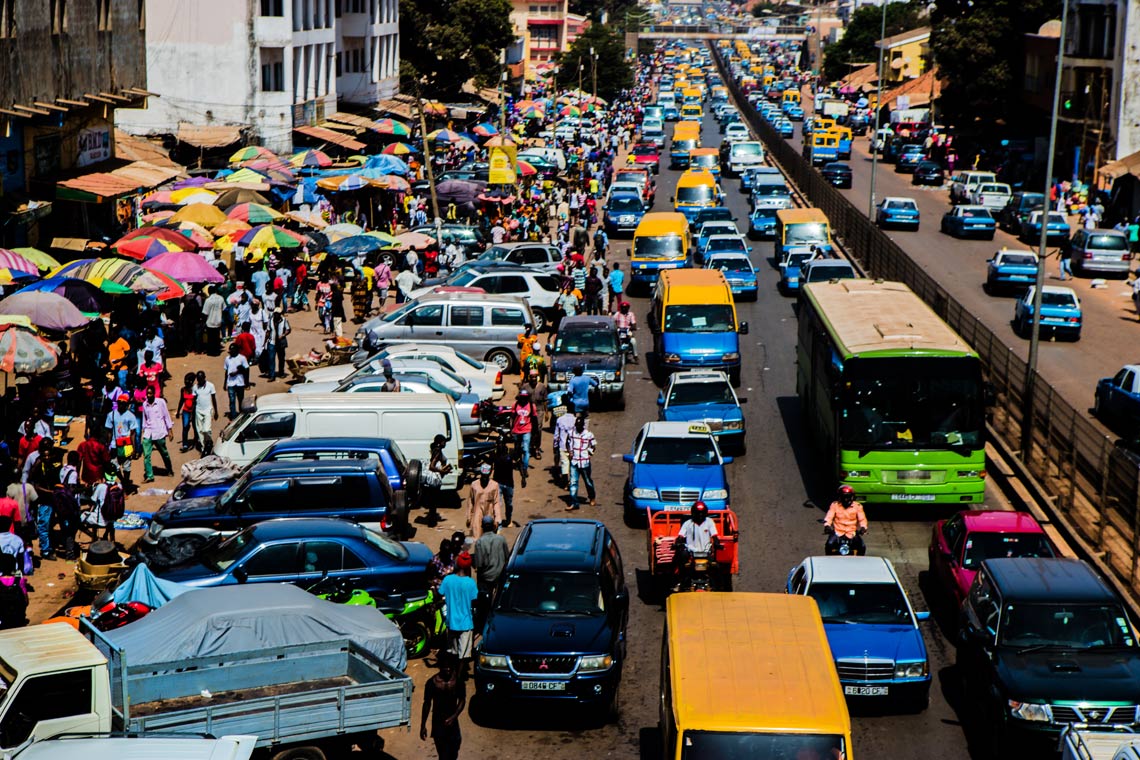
(177, 196)
(38, 257)
(201, 214)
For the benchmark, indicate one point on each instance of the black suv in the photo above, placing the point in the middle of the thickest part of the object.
(594, 343)
(1045, 643)
(837, 174)
(557, 625)
(1016, 212)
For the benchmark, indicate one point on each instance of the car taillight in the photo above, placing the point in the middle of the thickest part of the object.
(1074, 319)
(1126, 257)
(499, 377)
(1088, 254)
(475, 411)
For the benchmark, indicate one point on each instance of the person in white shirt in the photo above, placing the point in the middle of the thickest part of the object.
(237, 373)
(205, 399)
(697, 536)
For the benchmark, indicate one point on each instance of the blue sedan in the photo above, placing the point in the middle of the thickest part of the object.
(1056, 228)
(705, 396)
(969, 221)
(786, 128)
(897, 212)
(762, 223)
(1060, 312)
(737, 269)
(622, 213)
(673, 465)
(794, 112)
(1011, 270)
(300, 551)
(708, 229)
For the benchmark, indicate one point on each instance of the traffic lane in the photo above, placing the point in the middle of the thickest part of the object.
(960, 267)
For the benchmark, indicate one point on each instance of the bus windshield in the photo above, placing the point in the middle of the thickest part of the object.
(802, 233)
(695, 194)
(911, 403)
(723, 745)
(661, 247)
(699, 318)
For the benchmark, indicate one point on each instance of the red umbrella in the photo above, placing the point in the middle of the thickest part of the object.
(162, 233)
(144, 247)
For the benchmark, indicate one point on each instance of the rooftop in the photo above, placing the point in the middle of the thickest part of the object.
(859, 570)
(1025, 579)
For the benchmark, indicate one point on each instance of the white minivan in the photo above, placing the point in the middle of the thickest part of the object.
(410, 419)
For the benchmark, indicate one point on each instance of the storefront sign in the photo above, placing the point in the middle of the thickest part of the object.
(94, 146)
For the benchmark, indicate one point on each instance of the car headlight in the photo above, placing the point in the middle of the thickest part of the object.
(1028, 711)
(608, 376)
(559, 377)
(672, 358)
(594, 663)
(910, 669)
(731, 356)
(716, 493)
(155, 529)
(493, 661)
(733, 425)
(645, 493)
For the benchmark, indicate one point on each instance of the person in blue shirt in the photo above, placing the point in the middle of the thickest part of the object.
(617, 286)
(579, 387)
(460, 592)
(259, 279)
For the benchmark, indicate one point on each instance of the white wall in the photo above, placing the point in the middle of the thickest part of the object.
(1127, 100)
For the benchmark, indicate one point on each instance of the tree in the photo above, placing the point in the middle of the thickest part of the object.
(613, 70)
(446, 43)
(979, 48)
(862, 32)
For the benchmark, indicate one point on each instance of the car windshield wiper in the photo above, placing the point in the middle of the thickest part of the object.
(1040, 647)
(526, 611)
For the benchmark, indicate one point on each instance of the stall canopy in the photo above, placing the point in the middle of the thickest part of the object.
(1121, 167)
(99, 186)
(329, 136)
(213, 136)
(232, 619)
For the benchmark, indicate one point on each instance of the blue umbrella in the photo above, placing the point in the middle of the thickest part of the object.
(386, 164)
(355, 245)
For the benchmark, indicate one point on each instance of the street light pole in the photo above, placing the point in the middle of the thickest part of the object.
(1035, 334)
(878, 110)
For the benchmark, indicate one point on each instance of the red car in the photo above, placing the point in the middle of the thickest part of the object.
(959, 544)
(646, 154)
(641, 177)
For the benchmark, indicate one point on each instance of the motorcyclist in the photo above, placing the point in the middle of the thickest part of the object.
(697, 535)
(845, 519)
(624, 319)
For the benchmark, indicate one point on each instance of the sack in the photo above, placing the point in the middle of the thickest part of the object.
(431, 479)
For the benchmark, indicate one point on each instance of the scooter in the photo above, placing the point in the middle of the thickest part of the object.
(845, 546)
(115, 615)
(420, 621)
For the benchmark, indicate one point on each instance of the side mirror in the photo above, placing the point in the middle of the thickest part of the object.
(627, 458)
(240, 575)
(922, 616)
(743, 328)
(660, 399)
(726, 460)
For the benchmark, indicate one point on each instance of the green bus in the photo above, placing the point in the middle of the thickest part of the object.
(892, 396)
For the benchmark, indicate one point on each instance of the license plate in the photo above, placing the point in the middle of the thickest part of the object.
(912, 497)
(676, 508)
(865, 691)
(544, 686)
(913, 475)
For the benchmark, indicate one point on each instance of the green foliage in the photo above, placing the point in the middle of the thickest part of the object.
(445, 43)
(614, 72)
(858, 43)
(980, 51)
(593, 8)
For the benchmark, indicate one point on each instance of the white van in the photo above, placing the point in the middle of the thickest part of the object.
(410, 419)
(140, 748)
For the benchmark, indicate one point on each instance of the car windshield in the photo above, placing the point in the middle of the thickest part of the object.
(625, 203)
(871, 603)
(719, 228)
(700, 318)
(1108, 243)
(397, 314)
(977, 213)
(495, 253)
(644, 150)
(768, 189)
(683, 146)
(589, 341)
(746, 149)
(983, 546)
(658, 247)
(701, 394)
(801, 233)
(388, 546)
(692, 450)
(695, 193)
(637, 178)
(732, 264)
(461, 279)
(732, 745)
(220, 555)
(1072, 626)
(1016, 260)
(232, 492)
(726, 244)
(543, 593)
(914, 402)
(1049, 298)
(706, 160)
(901, 205)
(714, 215)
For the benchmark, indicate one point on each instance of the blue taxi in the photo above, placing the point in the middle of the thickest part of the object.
(969, 221)
(1060, 313)
(897, 212)
(1012, 270)
(673, 465)
(705, 396)
(737, 269)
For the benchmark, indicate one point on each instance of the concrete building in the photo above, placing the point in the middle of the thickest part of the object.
(266, 67)
(543, 27)
(67, 67)
(907, 55)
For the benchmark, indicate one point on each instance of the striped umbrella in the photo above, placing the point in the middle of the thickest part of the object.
(444, 135)
(311, 159)
(391, 127)
(15, 262)
(200, 214)
(251, 152)
(394, 182)
(398, 149)
(270, 236)
(38, 257)
(229, 227)
(343, 183)
(188, 195)
(245, 174)
(253, 213)
(485, 130)
(145, 247)
(525, 168)
(21, 350)
(570, 111)
(162, 233)
(199, 235)
(114, 276)
(499, 141)
(335, 232)
(171, 288)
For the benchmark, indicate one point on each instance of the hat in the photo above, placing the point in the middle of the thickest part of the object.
(124, 397)
(524, 392)
(488, 520)
(484, 469)
(463, 559)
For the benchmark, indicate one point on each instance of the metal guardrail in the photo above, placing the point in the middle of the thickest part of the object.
(757, 31)
(1092, 485)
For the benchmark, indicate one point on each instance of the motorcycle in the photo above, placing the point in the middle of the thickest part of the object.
(845, 546)
(493, 417)
(704, 572)
(420, 621)
(115, 615)
(625, 344)
(475, 454)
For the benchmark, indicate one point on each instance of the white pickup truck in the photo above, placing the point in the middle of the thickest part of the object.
(1084, 744)
(140, 748)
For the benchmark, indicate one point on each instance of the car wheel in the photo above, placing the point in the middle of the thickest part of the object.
(612, 712)
(501, 358)
(989, 236)
(413, 482)
(539, 320)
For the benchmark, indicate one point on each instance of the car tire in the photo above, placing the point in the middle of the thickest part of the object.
(611, 713)
(413, 483)
(300, 753)
(502, 358)
(734, 377)
(540, 320)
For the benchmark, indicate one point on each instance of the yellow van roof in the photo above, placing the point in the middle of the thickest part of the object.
(797, 215)
(662, 223)
(696, 286)
(696, 177)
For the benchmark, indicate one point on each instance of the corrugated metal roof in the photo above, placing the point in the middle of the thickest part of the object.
(351, 118)
(328, 136)
(212, 136)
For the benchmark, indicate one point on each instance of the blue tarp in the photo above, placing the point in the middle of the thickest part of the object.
(142, 586)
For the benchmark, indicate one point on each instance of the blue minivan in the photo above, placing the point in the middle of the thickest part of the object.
(694, 325)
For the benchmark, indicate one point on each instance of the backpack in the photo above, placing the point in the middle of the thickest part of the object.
(114, 504)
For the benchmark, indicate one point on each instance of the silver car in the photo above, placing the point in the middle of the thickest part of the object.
(466, 404)
(1104, 251)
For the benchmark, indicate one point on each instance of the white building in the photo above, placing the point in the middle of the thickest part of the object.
(267, 65)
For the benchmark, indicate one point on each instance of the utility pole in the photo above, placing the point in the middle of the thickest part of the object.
(430, 171)
(878, 110)
(1039, 284)
(502, 92)
(594, 87)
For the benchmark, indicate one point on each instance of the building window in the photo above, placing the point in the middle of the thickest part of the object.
(272, 8)
(272, 69)
(58, 10)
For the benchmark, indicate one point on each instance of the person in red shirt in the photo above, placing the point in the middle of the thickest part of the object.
(94, 457)
(10, 508)
(151, 373)
(29, 441)
(246, 343)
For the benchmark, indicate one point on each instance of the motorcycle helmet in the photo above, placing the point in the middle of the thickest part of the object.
(699, 511)
(624, 306)
(845, 495)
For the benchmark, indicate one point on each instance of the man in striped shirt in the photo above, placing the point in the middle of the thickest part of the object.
(581, 444)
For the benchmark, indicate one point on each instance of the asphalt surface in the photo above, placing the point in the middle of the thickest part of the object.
(1108, 337)
(770, 486)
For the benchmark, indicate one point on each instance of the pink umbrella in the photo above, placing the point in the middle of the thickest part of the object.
(184, 266)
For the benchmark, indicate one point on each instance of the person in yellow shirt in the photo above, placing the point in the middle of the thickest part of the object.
(526, 343)
(117, 353)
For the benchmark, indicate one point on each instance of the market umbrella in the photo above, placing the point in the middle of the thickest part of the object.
(525, 168)
(499, 141)
(114, 276)
(457, 190)
(171, 289)
(251, 152)
(158, 198)
(484, 129)
(192, 182)
(444, 135)
(384, 237)
(570, 111)
(162, 233)
(344, 229)
(144, 247)
(231, 198)
(229, 227)
(245, 174)
(435, 108)
(82, 294)
(398, 149)
(38, 257)
(158, 216)
(343, 183)
(17, 263)
(203, 214)
(415, 240)
(309, 218)
(15, 276)
(21, 350)
(199, 235)
(311, 159)
(391, 127)
(393, 182)
(184, 267)
(50, 311)
(356, 245)
(253, 213)
(188, 195)
(269, 236)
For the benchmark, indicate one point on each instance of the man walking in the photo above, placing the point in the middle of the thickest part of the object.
(484, 500)
(157, 427)
(236, 368)
(581, 443)
(491, 553)
(124, 426)
(205, 398)
(563, 426)
(617, 286)
(460, 592)
(445, 697)
(212, 310)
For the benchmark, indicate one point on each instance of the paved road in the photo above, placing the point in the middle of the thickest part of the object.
(770, 486)
(1109, 336)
